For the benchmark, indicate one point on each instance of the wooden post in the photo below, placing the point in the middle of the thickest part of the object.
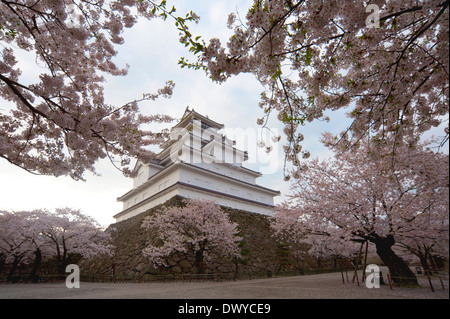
(342, 274)
(365, 262)
(431, 285)
(442, 283)
(389, 280)
(357, 262)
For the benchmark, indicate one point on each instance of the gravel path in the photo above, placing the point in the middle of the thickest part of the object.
(322, 286)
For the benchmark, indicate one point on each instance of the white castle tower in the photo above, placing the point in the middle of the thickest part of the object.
(197, 162)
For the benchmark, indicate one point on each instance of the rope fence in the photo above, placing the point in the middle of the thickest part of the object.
(431, 281)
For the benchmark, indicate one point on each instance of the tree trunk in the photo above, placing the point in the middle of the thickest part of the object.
(318, 262)
(432, 262)
(37, 262)
(62, 265)
(425, 266)
(199, 263)
(13, 269)
(63, 261)
(2, 261)
(199, 257)
(400, 272)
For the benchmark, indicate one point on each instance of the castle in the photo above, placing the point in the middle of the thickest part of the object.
(197, 162)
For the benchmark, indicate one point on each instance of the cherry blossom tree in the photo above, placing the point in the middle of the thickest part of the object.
(287, 232)
(59, 122)
(430, 238)
(364, 196)
(424, 250)
(200, 227)
(71, 234)
(15, 245)
(319, 244)
(32, 235)
(21, 240)
(385, 62)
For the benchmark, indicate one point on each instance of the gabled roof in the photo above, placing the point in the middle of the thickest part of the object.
(189, 115)
(187, 119)
(153, 162)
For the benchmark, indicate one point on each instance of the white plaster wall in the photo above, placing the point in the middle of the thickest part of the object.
(226, 170)
(223, 185)
(189, 193)
(202, 179)
(149, 205)
(156, 186)
(144, 173)
(141, 177)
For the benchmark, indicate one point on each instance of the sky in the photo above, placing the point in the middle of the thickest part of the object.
(152, 51)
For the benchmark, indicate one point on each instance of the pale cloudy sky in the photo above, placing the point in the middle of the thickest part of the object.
(152, 50)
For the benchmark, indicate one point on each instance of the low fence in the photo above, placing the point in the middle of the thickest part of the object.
(435, 281)
(431, 281)
(53, 278)
(134, 279)
(168, 278)
(36, 279)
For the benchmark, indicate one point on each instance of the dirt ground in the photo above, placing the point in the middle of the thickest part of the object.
(321, 286)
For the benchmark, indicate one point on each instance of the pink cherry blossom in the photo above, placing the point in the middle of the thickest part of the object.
(63, 234)
(61, 124)
(367, 196)
(314, 56)
(200, 228)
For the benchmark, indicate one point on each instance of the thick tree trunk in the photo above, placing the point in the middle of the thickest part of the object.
(318, 260)
(400, 272)
(199, 257)
(199, 262)
(13, 269)
(37, 263)
(61, 267)
(425, 265)
(64, 261)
